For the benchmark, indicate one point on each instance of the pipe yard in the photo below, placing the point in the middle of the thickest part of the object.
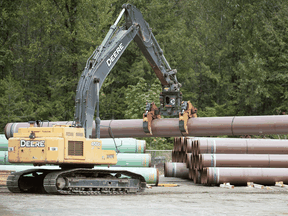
(204, 175)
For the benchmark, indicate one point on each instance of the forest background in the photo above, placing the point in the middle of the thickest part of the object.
(231, 57)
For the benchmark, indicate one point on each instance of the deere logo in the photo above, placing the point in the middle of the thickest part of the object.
(28, 143)
(112, 58)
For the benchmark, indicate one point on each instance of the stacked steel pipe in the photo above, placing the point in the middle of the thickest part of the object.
(237, 161)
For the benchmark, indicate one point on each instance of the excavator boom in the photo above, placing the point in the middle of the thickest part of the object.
(104, 58)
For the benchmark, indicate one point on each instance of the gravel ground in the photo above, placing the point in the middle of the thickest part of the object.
(186, 199)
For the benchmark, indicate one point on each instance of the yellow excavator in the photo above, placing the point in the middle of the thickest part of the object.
(72, 147)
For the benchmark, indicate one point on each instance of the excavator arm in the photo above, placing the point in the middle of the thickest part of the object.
(105, 57)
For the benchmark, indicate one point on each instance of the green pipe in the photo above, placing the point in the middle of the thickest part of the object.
(4, 158)
(3, 143)
(124, 145)
(123, 159)
(150, 174)
(133, 160)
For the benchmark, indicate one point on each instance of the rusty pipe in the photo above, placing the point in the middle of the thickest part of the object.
(189, 145)
(195, 151)
(188, 159)
(195, 162)
(190, 174)
(176, 142)
(240, 176)
(204, 176)
(183, 147)
(178, 170)
(184, 157)
(191, 165)
(243, 160)
(240, 146)
(173, 156)
(206, 126)
(197, 176)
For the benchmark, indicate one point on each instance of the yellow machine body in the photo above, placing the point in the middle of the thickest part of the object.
(58, 145)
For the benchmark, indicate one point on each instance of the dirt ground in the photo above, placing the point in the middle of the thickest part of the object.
(186, 199)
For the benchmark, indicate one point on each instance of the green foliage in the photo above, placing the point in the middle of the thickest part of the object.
(231, 57)
(137, 96)
(159, 143)
(14, 107)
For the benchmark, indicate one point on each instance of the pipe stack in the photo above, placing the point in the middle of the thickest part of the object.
(237, 161)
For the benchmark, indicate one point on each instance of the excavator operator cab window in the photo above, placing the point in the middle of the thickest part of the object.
(167, 100)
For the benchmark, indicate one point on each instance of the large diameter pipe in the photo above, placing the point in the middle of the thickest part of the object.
(150, 174)
(189, 145)
(206, 126)
(133, 160)
(124, 145)
(240, 146)
(3, 143)
(240, 176)
(178, 170)
(188, 160)
(243, 160)
(197, 176)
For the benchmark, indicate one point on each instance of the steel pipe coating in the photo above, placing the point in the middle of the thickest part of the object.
(176, 170)
(243, 160)
(240, 176)
(240, 146)
(197, 176)
(124, 145)
(150, 174)
(205, 126)
(3, 143)
(173, 156)
(188, 160)
(189, 145)
(133, 160)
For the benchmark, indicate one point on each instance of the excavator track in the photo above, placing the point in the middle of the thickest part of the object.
(27, 181)
(80, 181)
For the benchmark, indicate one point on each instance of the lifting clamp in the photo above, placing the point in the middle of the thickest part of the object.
(187, 111)
(152, 112)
